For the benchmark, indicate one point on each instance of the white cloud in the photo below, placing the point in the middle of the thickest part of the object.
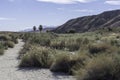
(6, 19)
(84, 1)
(76, 10)
(66, 1)
(113, 2)
(83, 10)
(11, 0)
(60, 9)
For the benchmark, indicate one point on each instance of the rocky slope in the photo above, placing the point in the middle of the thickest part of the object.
(90, 23)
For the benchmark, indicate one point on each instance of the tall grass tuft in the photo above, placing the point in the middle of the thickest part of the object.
(67, 63)
(9, 44)
(101, 67)
(101, 47)
(1, 51)
(38, 57)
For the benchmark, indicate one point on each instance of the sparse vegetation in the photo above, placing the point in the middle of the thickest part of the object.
(101, 67)
(76, 54)
(38, 57)
(1, 51)
(7, 40)
(71, 31)
(9, 44)
(100, 48)
(62, 63)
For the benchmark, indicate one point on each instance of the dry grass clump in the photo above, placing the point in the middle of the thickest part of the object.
(27, 47)
(85, 41)
(73, 45)
(101, 67)
(115, 42)
(62, 44)
(101, 47)
(62, 63)
(7, 40)
(9, 44)
(40, 40)
(14, 38)
(43, 39)
(1, 51)
(57, 44)
(4, 37)
(38, 57)
(68, 43)
(66, 62)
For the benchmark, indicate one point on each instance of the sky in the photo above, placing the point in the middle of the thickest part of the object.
(16, 15)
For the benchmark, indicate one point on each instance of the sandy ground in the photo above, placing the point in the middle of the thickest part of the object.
(9, 68)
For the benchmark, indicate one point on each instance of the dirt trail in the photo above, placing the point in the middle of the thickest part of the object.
(9, 68)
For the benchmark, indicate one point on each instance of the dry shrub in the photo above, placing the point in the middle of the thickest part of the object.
(1, 51)
(66, 63)
(9, 44)
(38, 57)
(102, 47)
(61, 64)
(101, 67)
(5, 37)
(57, 44)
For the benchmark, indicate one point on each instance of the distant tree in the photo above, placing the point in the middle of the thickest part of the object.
(47, 31)
(71, 31)
(40, 28)
(34, 28)
(109, 29)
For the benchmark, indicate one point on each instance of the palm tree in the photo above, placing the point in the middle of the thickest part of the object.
(40, 28)
(34, 28)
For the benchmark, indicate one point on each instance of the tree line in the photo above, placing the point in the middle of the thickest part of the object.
(40, 28)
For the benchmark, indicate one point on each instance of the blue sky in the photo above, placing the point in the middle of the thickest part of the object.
(18, 15)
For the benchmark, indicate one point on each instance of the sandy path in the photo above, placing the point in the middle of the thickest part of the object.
(10, 71)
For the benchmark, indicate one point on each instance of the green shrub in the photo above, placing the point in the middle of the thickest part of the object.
(7, 40)
(57, 44)
(9, 44)
(71, 31)
(27, 47)
(43, 39)
(4, 37)
(102, 67)
(72, 45)
(79, 41)
(14, 38)
(1, 51)
(115, 42)
(102, 47)
(66, 63)
(85, 41)
(62, 63)
(118, 37)
(1, 45)
(38, 57)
